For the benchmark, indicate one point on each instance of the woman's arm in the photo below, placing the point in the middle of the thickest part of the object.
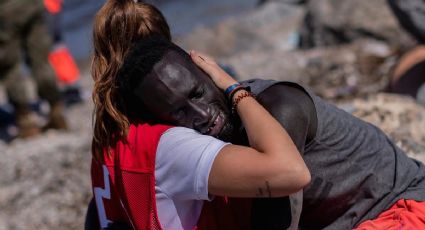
(272, 167)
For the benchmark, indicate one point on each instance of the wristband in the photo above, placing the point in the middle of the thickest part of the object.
(231, 88)
(232, 93)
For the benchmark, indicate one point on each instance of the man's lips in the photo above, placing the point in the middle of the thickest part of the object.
(216, 126)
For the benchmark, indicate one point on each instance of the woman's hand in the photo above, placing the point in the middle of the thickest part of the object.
(216, 73)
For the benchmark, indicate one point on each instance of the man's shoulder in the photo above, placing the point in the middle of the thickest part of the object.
(259, 86)
(280, 93)
(288, 102)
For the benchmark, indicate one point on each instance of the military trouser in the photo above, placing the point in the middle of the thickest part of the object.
(24, 38)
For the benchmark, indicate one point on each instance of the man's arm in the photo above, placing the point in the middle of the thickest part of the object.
(294, 109)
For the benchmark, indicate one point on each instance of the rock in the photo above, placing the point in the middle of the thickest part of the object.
(399, 116)
(272, 26)
(330, 22)
(283, 1)
(336, 72)
(45, 180)
(256, 46)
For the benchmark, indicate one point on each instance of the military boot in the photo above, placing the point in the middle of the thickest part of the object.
(56, 118)
(27, 123)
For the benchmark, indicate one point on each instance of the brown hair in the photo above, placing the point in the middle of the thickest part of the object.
(117, 26)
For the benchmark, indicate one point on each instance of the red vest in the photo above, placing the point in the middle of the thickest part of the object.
(124, 185)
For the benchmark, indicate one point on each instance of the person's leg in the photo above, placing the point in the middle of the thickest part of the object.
(405, 214)
(18, 95)
(38, 44)
(11, 78)
(409, 74)
(11, 74)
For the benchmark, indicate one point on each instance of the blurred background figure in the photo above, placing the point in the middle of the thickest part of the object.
(66, 70)
(24, 39)
(411, 15)
(409, 74)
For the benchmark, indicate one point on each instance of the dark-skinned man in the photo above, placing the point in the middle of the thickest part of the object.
(357, 172)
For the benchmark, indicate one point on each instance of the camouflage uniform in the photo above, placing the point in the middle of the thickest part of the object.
(24, 38)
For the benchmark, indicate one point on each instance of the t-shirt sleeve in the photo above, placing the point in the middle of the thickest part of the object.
(183, 162)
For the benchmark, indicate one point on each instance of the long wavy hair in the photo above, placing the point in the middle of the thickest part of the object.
(117, 26)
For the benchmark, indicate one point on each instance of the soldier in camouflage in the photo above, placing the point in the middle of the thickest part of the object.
(24, 38)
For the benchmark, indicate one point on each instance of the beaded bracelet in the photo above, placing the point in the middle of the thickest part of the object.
(239, 99)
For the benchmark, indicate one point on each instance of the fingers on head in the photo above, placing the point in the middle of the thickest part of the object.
(202, 57)
(202, 62)
(207, 58)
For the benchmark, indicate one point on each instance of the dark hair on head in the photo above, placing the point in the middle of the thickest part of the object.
(117, 26)
(142, 58)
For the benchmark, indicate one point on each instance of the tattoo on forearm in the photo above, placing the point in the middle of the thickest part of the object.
(261, 192)
(269, 191)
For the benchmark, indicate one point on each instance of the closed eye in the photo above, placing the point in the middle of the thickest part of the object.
(197, 94)
(177, 114)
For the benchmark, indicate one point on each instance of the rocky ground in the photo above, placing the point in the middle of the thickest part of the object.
(44, 181)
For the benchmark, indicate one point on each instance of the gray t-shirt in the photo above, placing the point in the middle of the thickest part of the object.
(357, 171)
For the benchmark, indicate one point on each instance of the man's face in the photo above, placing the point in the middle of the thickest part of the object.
(179, 93)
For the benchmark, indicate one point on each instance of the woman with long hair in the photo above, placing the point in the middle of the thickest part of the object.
(156, 176)
(117, 26)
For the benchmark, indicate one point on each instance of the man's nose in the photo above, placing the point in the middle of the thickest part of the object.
(201, 116)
